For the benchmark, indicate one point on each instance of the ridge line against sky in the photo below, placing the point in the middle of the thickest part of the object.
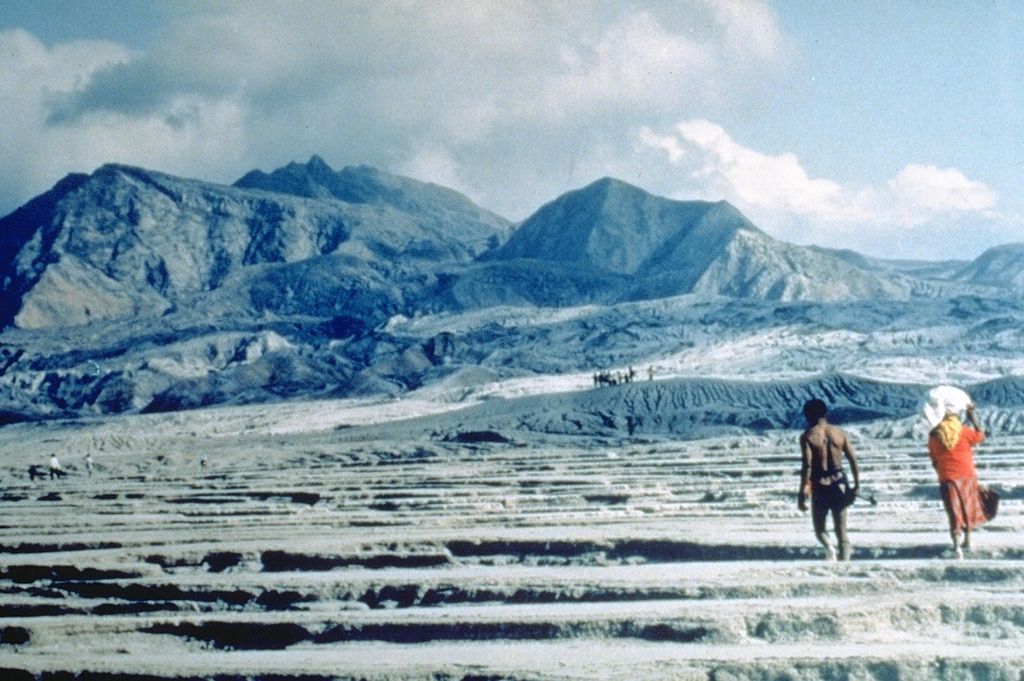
(890, 128)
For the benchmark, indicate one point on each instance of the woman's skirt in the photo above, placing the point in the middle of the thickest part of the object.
(963, 501)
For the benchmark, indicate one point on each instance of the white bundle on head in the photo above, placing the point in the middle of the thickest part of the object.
(943, 400)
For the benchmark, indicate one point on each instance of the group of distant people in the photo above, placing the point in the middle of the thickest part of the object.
(55, 469)
(950, 447)
(608, 378)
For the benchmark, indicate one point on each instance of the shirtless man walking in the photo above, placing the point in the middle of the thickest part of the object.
(822, 446)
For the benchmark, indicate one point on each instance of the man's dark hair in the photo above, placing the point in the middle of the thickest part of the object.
(815, 410)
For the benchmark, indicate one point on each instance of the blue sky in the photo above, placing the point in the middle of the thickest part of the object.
(893, 128)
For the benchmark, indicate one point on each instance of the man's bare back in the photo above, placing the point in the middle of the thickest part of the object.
(822, 448)
(823, 445)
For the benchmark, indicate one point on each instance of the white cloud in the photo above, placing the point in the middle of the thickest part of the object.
(30, 77)
(750, 28)
(474, 89)
(922, 191)
(633, 62)
(509, 102)
(777, 186)
(29, 66)
(434, 165)
(189, 135)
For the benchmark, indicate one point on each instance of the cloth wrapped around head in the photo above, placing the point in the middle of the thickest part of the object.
(942, 401)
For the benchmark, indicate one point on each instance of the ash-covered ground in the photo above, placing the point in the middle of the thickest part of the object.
(291, 542)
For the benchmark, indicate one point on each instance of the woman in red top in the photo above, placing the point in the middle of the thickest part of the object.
(950, 445)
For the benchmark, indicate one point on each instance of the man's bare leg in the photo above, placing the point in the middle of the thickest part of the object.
(842, 537)
(819, 513)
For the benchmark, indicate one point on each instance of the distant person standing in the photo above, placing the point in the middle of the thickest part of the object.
(950, 446)
(89, 463)
(822, 447)
(56, 470)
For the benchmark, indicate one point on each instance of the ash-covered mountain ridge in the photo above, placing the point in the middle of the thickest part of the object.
(126, 242)
(646, 247)
(129, 290)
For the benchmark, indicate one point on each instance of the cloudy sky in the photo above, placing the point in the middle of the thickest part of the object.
(894, 128)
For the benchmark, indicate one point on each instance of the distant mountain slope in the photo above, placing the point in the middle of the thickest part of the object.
(126, 242)
(658, 247)
(754, 265)
(618, 228)
(1001, 266)
(925, 278)
(453, 216)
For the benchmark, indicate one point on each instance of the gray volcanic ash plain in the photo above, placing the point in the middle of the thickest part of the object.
(253, 542)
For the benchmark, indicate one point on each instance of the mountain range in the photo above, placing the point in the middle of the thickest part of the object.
(130, 290)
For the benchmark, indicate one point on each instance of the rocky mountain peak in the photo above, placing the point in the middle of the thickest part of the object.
(127, 241)
(616, 227)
